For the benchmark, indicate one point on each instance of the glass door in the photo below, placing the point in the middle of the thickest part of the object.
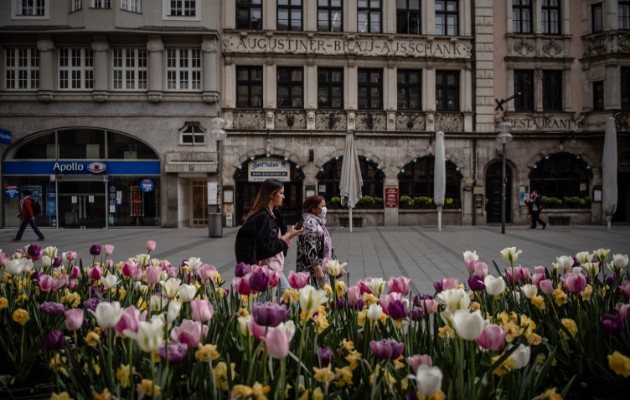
(81, 203)
(199, 203)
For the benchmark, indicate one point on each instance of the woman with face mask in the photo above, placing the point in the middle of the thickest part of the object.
(314, 244)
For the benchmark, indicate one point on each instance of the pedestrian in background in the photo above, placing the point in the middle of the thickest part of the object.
(263, 239)
(27, 216)
(535, 204)
(315, 243)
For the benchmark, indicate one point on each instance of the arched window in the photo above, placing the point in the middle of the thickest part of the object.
(560, 175)
(330, 174)
(416, 179)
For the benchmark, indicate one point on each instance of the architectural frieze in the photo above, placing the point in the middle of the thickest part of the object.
(538, 46)
(607, 43)
(343, 45)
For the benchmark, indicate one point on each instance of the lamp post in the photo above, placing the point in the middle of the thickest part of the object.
(215, 219)
(504, 137)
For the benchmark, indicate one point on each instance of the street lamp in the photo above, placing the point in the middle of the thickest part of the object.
(504, 137)
(215, 219)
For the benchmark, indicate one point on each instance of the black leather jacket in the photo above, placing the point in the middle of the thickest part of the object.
(258, 238)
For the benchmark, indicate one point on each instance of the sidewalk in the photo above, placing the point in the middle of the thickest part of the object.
(419, 252)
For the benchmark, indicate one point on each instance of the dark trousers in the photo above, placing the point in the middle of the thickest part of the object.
(536, 218)
(27, 221)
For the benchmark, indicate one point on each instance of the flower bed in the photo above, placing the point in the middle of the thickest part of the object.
(142, 327)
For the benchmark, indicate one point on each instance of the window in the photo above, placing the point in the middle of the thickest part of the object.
(192, 133)
(249, 14)
(447, 90)
(552, 90)
(597, 15)
(290, 89)
(522, 16)
(408, 17)
(21, 68)
(289, 15)
(101, 3)
(524, 84)
(409, 90)
(30, 8)
(329, 15)
(76, 5)
(130, 5)
(560, 175)
(370, 83)
(182, 8)
(183, 69)
(369, 16)
(416, 179)
(130, 69)
(330, 88)
(550, 18)
(598, 95)
(249, 87)
(625, 88)
(624, 14)
(446, 18)
(330, 174)
(76, 69)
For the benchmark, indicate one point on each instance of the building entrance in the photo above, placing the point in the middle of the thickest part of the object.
(494, 193)
(82, 203)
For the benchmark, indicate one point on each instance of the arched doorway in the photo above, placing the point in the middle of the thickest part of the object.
(493, 193)
(250, 175)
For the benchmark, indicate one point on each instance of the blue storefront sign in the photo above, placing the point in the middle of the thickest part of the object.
(5, 136)
(12, 192)
(81, 167)
(147, 185)
(51, 201)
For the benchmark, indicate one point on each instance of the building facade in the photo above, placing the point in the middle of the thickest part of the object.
(118, 96)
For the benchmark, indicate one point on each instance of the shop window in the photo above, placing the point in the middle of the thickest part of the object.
(192, 134)
(330, 15)
(369, 14)
(249, 87)
(330, 88)
(550, 17)
(81, 144)
(370, 86)
(522, 16)
(408, 17)
(289, 15)
(447, 90)
(524, 84)
(416, 179)
(330, 174)
(183, 69)
(21, 68)
(290, 90)
(249, 14)
(561, 175)
(409, 90)
(446, 17)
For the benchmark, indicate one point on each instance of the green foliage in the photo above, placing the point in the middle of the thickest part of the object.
(335, 200)
(405, 200)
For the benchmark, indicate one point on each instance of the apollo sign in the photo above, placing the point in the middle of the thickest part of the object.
(75, 167)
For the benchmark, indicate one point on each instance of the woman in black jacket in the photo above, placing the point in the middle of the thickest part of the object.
(263, 239)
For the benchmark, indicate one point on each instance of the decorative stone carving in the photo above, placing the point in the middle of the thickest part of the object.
(451, 122)
(351, 121)
(330, 120)
(45, 45)
(410, 122)
(45, 96)
(310, 120)
(371, 121)
(101, 97)
(430, 122)
(551, 48)
(100, 46)
(208, 46)
(290, 120)
(249, 119)
(155, 46)
(155, 97)
(210, 97)
(523, 47)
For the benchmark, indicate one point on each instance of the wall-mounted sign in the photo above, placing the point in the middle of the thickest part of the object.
(147, 185)
(265, 168)
(51, 200)
(391, 196)
(12, 192)
(30, 168)
(5, 136)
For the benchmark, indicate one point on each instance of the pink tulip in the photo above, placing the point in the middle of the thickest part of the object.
(449, 283)
(72, 285)
(429, 306)
(492, 337)
(108, 249)
(540, 269)
(70, 255)
(354, 294)
(95, 273)
(258, 331)
(399, 285)
(277, 342)
(274, 278)
(298, 280)
(574, 282)
(624, 311)
(536, 278)
(625, 289)
(109, 264)
(46, 282)
(202, 310)
(61, 281)
(480, 268)
(546, 286)
(419, 359)
(470, 266)
(242, 285)
(127, 268)
(74, 319)
(75, 272)
(3, 258)
(150, 245)
(130, 319)
(206, 272)
(188, 332)
(153, 274)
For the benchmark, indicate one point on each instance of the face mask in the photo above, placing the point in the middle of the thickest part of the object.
(323, 213)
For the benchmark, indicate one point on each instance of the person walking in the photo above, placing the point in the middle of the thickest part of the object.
(535, 205)
(27, 216)
(264, 239)
(314, 244)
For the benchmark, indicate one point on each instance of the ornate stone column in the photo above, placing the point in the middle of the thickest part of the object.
(156, 54)
(100, 47)
(210, 89)
(46, 48)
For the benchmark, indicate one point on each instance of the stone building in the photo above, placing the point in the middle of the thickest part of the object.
(110, 106)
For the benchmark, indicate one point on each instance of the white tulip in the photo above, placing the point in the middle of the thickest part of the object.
(335, 269)
(468, 325)
(186, 293)
(529, 290)
(454, 299)
(172, 311)
(110, 281)
(243, 324)
(521, 356)
(156, 303)
(428, 380)
(583, 257)
(194, 263)
(601, 254)
(565, 262)
(46, 261)
(150, 334)
(142, 259)
(14, 266)
(310, 298)
(170, 287)
(494, 286)
(51, 251)
(376, 285)
(510, 254)
(374, 312)
(620, 260)
(470, 256)
(107, 314)
(591, 268)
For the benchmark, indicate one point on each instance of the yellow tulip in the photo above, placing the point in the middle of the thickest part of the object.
(21, 316)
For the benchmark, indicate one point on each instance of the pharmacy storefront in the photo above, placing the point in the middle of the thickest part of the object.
(84, 178)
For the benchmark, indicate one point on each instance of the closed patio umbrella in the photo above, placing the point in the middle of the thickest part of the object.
(609, 171)
(439, 176)
(351, 181)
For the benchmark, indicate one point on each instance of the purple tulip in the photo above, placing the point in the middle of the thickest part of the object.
(53, 341)
(624, 288)
(609, 280)
(418, 299)
(475, 282)
(492, 337)
(437, 285)
(259, 281)
(95, 249)
(397, 309)
(269, 314)
(623, 310)
(176, 351)
(52, 308)
(611, 323)
(416, 313)
(419, 359)
(241, 269)
(35, 276)
(325, 356)
(90, 304)
(386, 349)
(57, 261)
(34, 251)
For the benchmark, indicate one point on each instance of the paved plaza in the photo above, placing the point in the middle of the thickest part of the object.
(420, 252)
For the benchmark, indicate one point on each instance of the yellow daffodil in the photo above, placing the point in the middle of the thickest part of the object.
(207, 352)
(361, 317)
(538, 301)
(506, 366)
(92, 338)
(56, 363)
(474, 306)
(534, 339)
(220, 374)
(4, 303)
(21, 316)
(321, 322)
(549, 394)
(71, 299)
(290, 296)
(340, 287)
(123, 374)
(104, 395)
(369, 299)
(324, 375)
(147, 388)
(347, 344)
(242, 312)
(560, 297)
(446, 332)
(328, 290)
(571, 327)
(354, 358)
(344, 376)
(619, 363)
(587, 293)
(60, 396)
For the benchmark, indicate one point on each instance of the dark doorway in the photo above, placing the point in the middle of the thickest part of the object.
(493, 193)
(81, 203)
(623, 197)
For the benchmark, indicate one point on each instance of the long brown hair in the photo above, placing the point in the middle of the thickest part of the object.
(267, 190)
(311, 202)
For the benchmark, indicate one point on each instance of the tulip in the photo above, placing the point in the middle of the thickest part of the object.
(69, 256)
(574, 282)
(611, 323)
(386, 349)
(153, 274)
(110, 281)
(583, 257)
(95, 273)
(242, 286)
(202, 310)
(450, 283)
(129, 320)
(189, 333)
(259, 281)
(398, 309)
(269, 314)
(75, 272)
(468, 325)
(34, 251)
(194, 263)
(107, 314)
(53, 341)
(601, 255)
(480, 268)
(428, 380)
(494, 286)
(206, 273)
(620, 260)
(565, 263)
(475, 283)
(46, 282)
(51, 251)
(521, 356)
(325, 356)
(492, 337)
(546, 286)
(623, 310)
(242, 269)
(298, 280)
(310, 298)
(376, 286)
(142, 259)
(74, 319)
(108, 249)
(529, 290)
(277, 341)
(624, 288)
(150, 245)
(417, 360)
(91, 304)
(591, 268)
(150, 335)
(95, 250)
(176, 352)
(186, 293)
(374, 312)
(335, 268)
(172, 311)
(52, 308)
(399, 285)
(454, 299)
(470, 256)
(510, 254)
(170, 287)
